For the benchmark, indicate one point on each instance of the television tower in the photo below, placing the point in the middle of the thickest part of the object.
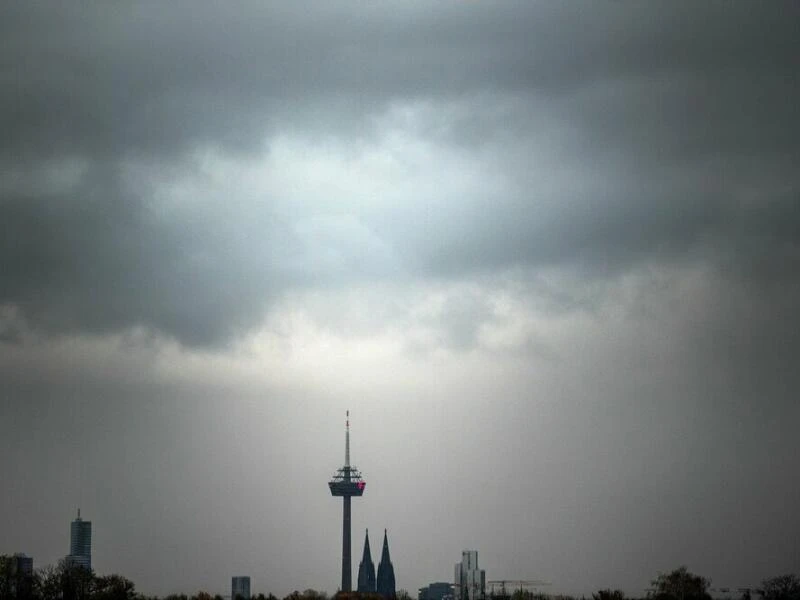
(346, 483)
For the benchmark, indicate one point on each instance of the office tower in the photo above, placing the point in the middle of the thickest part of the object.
(20, 577)
(240, 588)
(22, 564)
(80, 542)
(470, 581)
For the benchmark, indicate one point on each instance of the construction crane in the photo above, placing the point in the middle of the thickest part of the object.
(519, 584)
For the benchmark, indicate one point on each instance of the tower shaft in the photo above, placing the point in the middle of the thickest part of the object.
(346, 570)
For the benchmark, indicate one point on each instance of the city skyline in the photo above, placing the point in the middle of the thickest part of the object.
(545, 252)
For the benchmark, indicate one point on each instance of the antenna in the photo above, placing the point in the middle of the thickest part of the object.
(79, 513)
(347, 441)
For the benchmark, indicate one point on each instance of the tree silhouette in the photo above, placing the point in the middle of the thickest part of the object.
(680, 584)
(609, 595)
(113, 587)
(783, 587)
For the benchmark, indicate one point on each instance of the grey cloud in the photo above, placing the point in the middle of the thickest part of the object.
(680, 109)
(99, 261)
(127, 79)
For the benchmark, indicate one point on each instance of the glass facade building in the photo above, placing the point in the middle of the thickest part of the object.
(470, 581)
(240, 588)
(80, 542)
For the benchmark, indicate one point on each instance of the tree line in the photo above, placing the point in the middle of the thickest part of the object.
(681, 584)
(66, 581)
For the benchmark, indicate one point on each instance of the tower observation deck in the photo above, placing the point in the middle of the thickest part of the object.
(346, 482)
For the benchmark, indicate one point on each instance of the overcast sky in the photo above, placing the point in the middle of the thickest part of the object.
(547, 253)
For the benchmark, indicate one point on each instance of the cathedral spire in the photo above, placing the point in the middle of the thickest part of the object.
(366, 570)
(367, 554)
(385, 551)
(385, 580)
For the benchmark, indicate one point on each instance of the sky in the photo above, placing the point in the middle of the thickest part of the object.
(546, 253)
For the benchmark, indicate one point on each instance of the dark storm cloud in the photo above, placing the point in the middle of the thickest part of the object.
(681, 107)
(603, 237)
(127, 78)
(97, 260)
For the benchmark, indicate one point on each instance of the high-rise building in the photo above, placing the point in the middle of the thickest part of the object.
(385, 579)
(20, 578)
(22, 564)
(470, 581)
(80, 542)
(366, 570)
(240, 588)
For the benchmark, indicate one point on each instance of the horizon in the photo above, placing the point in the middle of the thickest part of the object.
(545, 588)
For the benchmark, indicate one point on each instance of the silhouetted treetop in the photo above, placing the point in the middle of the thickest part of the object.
(783, 587)
(680, 584)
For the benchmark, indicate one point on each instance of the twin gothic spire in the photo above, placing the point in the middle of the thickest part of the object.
(384, 583)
